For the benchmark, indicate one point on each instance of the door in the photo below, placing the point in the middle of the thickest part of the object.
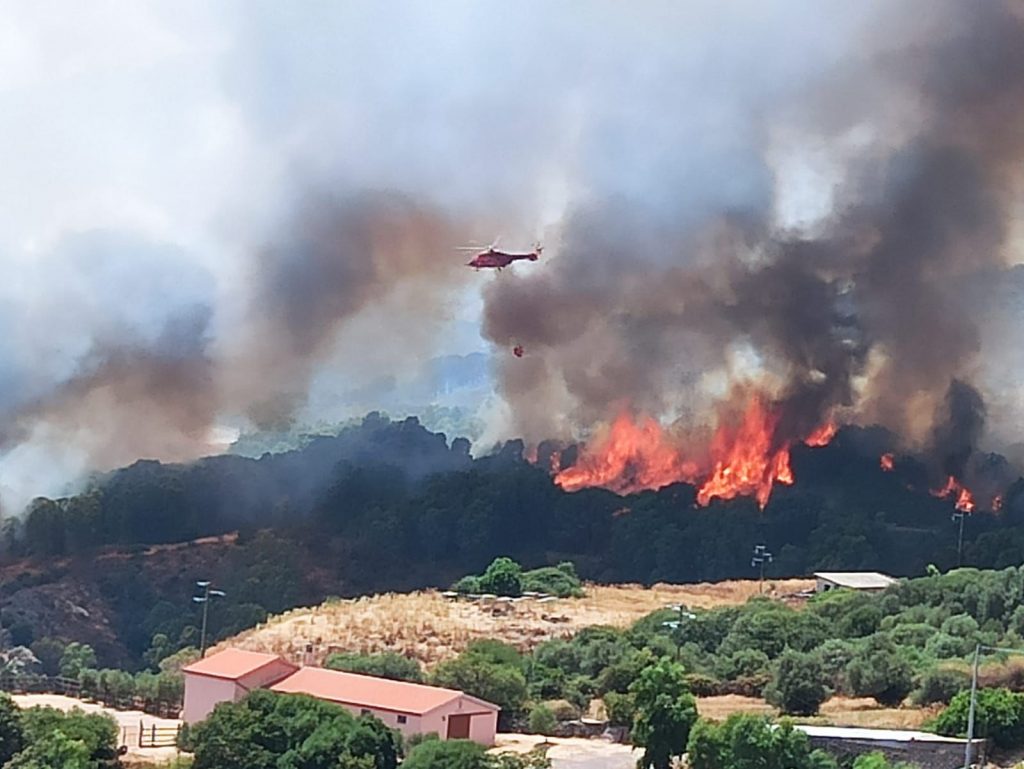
(458, 727)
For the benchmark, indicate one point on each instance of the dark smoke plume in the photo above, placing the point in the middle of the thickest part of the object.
(864, 316)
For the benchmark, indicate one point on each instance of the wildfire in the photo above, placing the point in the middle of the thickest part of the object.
(823, 435)
(887, 462)
(746, 463)
(745, 458)
(953, 489)
(633, 456)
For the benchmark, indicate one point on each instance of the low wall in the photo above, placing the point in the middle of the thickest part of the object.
(927, 755)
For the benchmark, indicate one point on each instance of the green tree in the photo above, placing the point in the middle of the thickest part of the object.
(665, 713)
(797, 687)
(75, 657)
(11, 735)
(880, 670)
(503, 577)
(999, 715)
(878, 760)
(752, 742)
(75, 736)
(57, 751)
(476, 674)
(387, 665)
(450, 754)
(49, 652)
(272, 731)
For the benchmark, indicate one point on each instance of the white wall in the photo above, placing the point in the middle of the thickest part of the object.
(203, 693)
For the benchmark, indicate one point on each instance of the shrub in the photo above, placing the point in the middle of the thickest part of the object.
(503, 577)
(449, 754)
(999, 715)
(388, 665)
(619, 708)
(940, 685)
(881, 671)
(564, 710)
(542, 720)
(797, 686)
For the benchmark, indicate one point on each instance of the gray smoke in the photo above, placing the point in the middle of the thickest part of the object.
(862, 316)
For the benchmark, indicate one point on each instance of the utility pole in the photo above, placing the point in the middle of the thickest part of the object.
(959, 516)
(204, 599)
(760, 557)
(969, 747)
(677, 625)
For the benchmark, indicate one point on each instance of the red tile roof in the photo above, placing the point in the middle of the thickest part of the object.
(232, 664)
(369, 691)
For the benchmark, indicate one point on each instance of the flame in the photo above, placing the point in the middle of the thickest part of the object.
(887, 462)
(746, 463)
(997, 503)
(633, 456)
(823, 435)
(953, 488)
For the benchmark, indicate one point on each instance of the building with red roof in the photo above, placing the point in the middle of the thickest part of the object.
(410, 708)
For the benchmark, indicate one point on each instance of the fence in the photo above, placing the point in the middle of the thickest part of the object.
(154, 736)
(40, 684)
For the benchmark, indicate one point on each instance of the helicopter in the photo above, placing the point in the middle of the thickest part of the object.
(490, 257)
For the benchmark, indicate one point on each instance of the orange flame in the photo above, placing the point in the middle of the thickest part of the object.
(823, 435)
(633, 456)
(745, 458)
(953, 488)
(746, 463)
(887, 462)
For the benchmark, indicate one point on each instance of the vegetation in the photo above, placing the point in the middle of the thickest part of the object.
(384, 491)
(798, 686)
(505, 577)
(664, 713)
(999, 716)
(268, 730)
(387, 665)
(463, 754)
(752, 742)
(45, 738)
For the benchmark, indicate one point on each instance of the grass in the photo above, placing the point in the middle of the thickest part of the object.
(430, 628)
(837, 711)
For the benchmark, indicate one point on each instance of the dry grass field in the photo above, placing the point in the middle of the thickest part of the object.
(837, 711)
(431, 628)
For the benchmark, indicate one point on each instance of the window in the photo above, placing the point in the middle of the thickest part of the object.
(401, 719)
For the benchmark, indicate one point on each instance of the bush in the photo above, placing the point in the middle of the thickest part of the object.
(542, 720)
(11, 734)
(752, 742)
(881, 671)
(619, 708)
(564, 710)
(940, 685)
(503, 577)
(558, 580)
(878, 760)
(450, 754)
(388, 665)
(999, 715)
(797, 687)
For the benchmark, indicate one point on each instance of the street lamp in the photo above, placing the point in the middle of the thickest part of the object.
(204, 599)
(959, 516)
(677, 624)
(760, 557)
(969, 747)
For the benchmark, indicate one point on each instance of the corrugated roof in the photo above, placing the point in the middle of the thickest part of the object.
(369, 691)
(881, 735)
(231, 664)
(857, 579)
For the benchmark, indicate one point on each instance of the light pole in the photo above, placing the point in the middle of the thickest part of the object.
(959, 516)
(761, 555)
(204, 599)
(969, 747)
(677, 624)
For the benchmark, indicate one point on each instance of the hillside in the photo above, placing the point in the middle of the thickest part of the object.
(430, 628)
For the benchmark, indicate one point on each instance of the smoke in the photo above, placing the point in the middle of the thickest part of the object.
(258, 205)
(860, 315)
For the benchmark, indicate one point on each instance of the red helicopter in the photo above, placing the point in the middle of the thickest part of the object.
(490, 257)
